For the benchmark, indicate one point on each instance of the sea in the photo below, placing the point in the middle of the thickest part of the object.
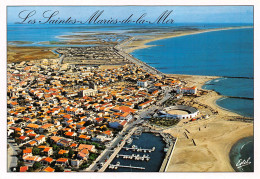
(226, 53)
(241, 155)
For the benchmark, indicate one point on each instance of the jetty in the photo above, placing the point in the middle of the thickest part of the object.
(136, 149)
(134, 157)
(117, 165)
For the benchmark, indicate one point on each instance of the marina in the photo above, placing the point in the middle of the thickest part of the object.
(124, 166)
(136, 157)
(135, 148)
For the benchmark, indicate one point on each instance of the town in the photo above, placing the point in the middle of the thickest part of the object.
(63, 117)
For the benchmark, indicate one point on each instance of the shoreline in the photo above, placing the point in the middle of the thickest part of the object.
(185, 157)
(141, 44)
(213, 145)
(216, 147)
(210, 141)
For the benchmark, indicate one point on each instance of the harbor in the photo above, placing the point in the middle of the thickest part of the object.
(134, 157)
(141, 153)
(135, 148)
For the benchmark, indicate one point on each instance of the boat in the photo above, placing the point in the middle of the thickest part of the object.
(134, 146)
(129, 141)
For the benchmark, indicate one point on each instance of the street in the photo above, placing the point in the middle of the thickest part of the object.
(110, 149)
(12, 159)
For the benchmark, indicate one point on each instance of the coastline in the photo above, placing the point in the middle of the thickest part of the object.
(214, 143)
(141, 44)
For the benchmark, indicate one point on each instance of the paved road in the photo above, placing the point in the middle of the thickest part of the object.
(110, 149)
(11, 158)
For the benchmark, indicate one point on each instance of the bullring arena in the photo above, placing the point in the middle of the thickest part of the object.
(180, 112)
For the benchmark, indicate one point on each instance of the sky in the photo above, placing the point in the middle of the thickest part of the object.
(180, 14)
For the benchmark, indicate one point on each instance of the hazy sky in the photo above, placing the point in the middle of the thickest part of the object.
(180, 14)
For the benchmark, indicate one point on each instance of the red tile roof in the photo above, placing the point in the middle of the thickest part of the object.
(63, 160)
(23, 168)
(27, 150)
(48, 159)
(85, 146)
(49, 169)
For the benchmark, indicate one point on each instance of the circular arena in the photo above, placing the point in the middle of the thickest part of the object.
(180, 112)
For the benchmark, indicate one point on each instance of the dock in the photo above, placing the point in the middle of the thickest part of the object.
(116, 151)
(116, 166)
(168, 157)
(134, 157)
(136, 149)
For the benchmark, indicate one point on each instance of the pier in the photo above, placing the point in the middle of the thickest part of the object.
(136, 149)
(116, 166)
(116, 151)
(134, 157)
(168, 157)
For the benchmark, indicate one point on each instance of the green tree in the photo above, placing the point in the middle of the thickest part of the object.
(36, 151)
(92, 156)
(59, 169)
(71, 152)
(37, 165)
(66, 155)
(20, 163)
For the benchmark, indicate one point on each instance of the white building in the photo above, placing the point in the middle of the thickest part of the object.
(192, 90)
(88, 92)
(142, 83)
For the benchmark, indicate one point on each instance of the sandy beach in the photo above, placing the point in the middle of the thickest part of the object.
(214, 142)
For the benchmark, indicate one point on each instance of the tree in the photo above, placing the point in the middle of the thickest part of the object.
(37, 165)
(36, 151)
(71, 152)
(20, 163)
(30, 169)
(59, 169)
(66, 155)
(84, 165)
(93, 156)
(55, 147)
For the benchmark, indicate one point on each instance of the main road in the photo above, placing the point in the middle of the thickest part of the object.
(12, 154)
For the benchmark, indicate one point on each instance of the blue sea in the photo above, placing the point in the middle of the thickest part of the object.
(227, 53)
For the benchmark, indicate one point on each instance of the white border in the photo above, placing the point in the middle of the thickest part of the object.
(3, 165)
